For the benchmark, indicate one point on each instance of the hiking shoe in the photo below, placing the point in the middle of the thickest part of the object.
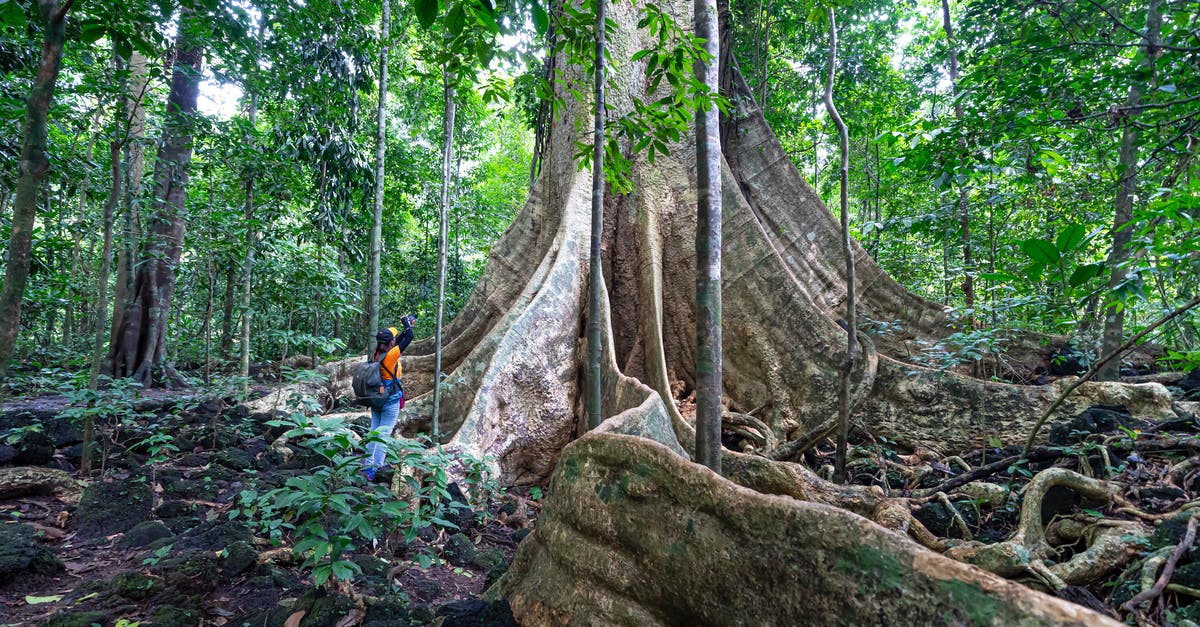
(369, 473)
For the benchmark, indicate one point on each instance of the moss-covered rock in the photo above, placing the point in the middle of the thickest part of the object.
(488, 559)
(136, 586)
(238, 558)
(144, 534)
(476, 613)
(190, 573)
(114, 507)
(323, 609)
(172, 616)
(391, 611)
(20, 553)
(235, 459)
(69, 618)
(33, 448)
(459, 550)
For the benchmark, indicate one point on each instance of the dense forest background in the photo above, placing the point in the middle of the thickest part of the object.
(999, 150)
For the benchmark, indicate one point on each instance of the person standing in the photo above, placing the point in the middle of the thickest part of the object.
(389, 346)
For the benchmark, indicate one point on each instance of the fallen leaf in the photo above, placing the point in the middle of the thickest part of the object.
(353, 618)
(62, 519)
(294, 619)
(32, 600)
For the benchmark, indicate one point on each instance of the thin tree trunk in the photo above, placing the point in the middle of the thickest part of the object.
(443, 223)
(964, 211)
(34, 165)
(380, 153)
(1127, 165)
(595, 269)
(231, 277)
(708, 246)
(839, 472)
(77, 236)
(251, 237)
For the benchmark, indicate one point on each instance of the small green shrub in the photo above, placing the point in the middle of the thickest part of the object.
(332, 510)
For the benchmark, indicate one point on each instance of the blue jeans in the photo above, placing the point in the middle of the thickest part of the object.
(383, 421)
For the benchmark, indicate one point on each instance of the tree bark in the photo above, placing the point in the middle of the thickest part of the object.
(595, 269)
(380, 153)
(135, 117)
(34, 165)
(142, 347)
(231, 277)
(1127, 170)
(251, 236)
(964, 211)
(847, 366)
(443, 225)
(708, 245)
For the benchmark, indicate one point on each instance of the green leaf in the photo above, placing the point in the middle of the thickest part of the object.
(1069, 238)
(1092, 512)
(427, 11)
(32, 600)
(89, 31)
(1083, 274)
(541, 21)
(455, 20)
(11, 14)
(1041, 251)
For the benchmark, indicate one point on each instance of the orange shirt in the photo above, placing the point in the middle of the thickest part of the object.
(391, 363)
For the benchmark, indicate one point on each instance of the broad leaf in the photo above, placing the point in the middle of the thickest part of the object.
(1083, 274)
(541, 21)
(1070, 238)
(1041, 251)
(427, 11)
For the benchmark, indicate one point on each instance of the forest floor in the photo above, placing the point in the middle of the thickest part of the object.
(174, 529)
(161, 534)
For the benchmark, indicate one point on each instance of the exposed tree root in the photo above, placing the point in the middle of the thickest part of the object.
(1028, 551)
(1168, 568)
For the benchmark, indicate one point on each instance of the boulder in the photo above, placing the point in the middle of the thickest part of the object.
(112, 507)
(20, 553)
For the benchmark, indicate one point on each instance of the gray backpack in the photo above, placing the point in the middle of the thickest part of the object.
(369, 386)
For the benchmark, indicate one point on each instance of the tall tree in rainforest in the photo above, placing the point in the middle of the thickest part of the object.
(443, 226)
(839, 467)
(708, 243)
(141, 348)
(1127, 170)
(248, 215)
(964, 212)
(380, 153)
(137, 84)
(34, 165)
(594, 402)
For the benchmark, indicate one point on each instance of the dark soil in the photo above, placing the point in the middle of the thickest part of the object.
(153, 542)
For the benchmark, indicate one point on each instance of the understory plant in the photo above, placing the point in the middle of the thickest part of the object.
(331, 511)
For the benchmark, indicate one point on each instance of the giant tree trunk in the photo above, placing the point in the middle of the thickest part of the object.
(141, 349)
(34, 164)
(615, 543)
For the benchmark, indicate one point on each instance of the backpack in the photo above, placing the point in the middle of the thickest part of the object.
(369, 386)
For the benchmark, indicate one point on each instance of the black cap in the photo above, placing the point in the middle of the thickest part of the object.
(384, 336)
